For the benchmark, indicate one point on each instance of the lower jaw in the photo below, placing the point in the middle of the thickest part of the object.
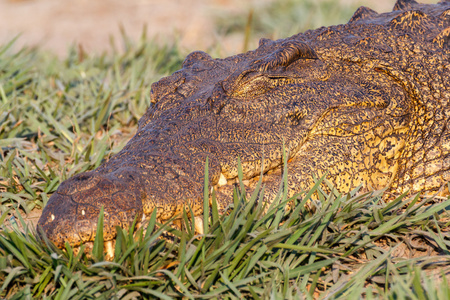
(108, 246)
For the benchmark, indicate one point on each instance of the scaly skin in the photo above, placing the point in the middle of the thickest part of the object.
(366, 102)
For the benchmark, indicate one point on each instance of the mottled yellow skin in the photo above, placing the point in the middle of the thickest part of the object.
(366, 103)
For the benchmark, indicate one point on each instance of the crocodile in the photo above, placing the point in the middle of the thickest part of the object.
(366, 103)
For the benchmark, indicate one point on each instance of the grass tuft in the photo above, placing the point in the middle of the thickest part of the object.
(336, 251)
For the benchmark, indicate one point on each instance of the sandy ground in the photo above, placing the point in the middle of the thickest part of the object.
(56, 24)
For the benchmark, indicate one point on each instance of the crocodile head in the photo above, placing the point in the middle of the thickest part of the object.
(343, 100)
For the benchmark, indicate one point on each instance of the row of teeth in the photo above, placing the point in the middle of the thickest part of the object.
(108, 246)
(53, 216)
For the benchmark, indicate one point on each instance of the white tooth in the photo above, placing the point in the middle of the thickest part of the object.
(143, 218)
(222, 180)
(198, 222)
(109, 247)
(53, 217)
(83, 212)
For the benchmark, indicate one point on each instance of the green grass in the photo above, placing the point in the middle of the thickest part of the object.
(285, 18)
(61, 117)
(335, 250)
(280, 19)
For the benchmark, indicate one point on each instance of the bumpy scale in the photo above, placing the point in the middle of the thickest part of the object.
(366, 103)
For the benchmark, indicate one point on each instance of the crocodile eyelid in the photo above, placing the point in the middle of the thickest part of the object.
(289, 52)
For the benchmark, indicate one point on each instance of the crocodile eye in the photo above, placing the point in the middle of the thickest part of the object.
(273, 70)
(253, 85)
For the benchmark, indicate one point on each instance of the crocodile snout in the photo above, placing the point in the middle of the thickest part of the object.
(71, 214)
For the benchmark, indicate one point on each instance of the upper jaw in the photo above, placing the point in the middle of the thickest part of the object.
(71, 214)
